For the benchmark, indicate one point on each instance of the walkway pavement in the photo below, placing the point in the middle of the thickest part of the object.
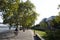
(27, 35)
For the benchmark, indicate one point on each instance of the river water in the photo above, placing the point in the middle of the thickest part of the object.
(4, 28)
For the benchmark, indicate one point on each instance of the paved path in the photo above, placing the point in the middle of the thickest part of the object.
(27, 35)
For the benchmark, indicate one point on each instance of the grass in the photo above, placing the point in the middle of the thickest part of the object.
(41, 33)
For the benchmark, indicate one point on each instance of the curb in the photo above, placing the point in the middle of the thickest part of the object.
(40, 36)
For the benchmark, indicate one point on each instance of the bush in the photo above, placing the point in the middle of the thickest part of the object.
(52, 35)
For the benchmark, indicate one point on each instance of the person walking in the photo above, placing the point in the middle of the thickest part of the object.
(16, 31)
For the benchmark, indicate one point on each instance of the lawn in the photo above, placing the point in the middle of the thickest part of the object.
(41, 33)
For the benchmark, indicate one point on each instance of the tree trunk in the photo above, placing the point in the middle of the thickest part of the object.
(17, 27)
(23, 29)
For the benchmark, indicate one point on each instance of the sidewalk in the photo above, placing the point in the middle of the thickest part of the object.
(27, 35)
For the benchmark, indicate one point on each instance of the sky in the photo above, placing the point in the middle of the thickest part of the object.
(45, 8)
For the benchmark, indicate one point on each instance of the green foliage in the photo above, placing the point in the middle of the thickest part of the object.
(17, 13)
(55, 22)
(3, 4)
(9, 10)
(52, 35)
(27, 14)
(57, 19)
(43, 24)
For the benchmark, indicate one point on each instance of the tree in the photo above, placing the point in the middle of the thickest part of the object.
(9, 11)
(57, 21)
(43, 23)
(3, 4)
(53, 34)
(22, 14)
(27, 14)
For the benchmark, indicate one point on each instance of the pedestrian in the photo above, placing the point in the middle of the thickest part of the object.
(16, 31)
